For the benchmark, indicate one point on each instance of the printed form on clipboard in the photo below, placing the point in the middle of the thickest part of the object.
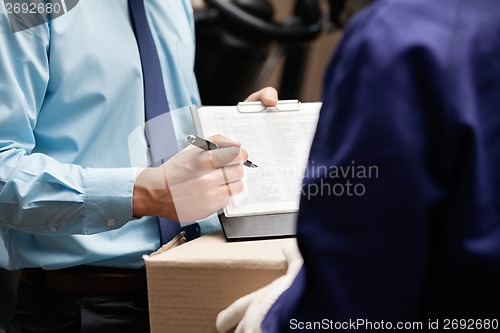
(277, 140)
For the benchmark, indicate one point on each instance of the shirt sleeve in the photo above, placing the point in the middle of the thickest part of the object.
(38, 194)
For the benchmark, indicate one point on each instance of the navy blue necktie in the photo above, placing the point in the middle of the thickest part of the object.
(162, 140)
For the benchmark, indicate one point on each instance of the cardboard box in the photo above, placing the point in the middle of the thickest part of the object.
(190, 284)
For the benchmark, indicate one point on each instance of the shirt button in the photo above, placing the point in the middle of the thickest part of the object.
(110, 222)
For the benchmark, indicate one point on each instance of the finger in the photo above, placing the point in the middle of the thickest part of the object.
(226, 156)
(228, 187)
(226, 144)
(228, 318)
(229, 174)
(195, 163)
(213, 180)
(211, 160)
(222, 141)
(268, 96)
(198, 198)
(235, 188)
(221, 194)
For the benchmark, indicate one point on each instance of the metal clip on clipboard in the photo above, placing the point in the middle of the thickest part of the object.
(254, 107)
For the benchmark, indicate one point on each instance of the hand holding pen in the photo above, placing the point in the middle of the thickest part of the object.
(193, 183)
(209, 145)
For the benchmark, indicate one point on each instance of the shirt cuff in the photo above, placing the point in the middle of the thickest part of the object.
(209, 225)
(108, 198)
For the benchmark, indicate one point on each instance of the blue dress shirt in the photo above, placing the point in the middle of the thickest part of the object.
(72, 132)
(413, 92)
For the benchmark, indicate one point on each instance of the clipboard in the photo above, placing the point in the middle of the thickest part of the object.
(271, 226)
(255, 107)
(270, 135)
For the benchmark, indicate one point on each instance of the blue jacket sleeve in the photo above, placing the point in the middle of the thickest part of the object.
(394, 196)
(38, 194)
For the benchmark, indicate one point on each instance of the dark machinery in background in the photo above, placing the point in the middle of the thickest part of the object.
(234, 40)
(239, 43)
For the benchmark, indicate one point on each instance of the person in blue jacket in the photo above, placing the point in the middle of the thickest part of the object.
(399, 222)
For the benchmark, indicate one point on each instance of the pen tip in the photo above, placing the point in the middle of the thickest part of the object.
(250, 164)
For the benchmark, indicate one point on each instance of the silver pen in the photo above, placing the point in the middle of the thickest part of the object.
(209, 145)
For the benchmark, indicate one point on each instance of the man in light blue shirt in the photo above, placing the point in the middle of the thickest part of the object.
(72, 135)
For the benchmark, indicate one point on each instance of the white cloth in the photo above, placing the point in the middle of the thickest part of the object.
(248, 312)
